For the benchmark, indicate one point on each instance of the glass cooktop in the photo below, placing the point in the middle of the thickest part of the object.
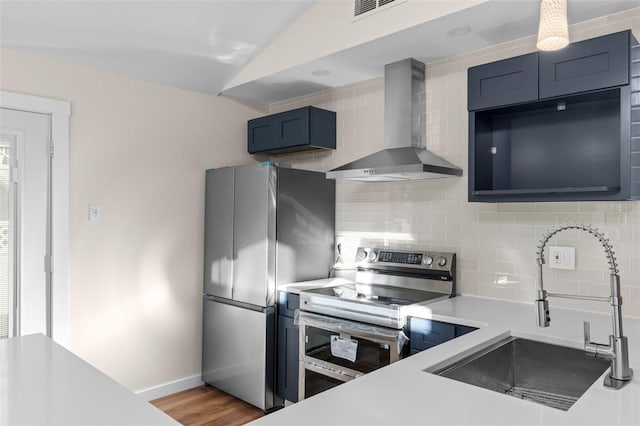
(379, 294)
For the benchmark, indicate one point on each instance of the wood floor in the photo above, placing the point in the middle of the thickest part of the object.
(207, 406)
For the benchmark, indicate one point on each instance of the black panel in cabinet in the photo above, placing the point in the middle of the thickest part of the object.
(461, 330)
(571, 148)
(288, 344)
(288, 303)
(593, 64)
(505, 82)
(426, 333)
(296, 130)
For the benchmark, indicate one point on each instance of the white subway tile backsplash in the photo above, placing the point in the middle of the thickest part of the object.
(557, 207)
(516, 207)
(614, 218)
(481, 207)
(596, 218)
(517, 231)
(492, 266)
(466, 284)
(584, 276)
(525, 294)
(499, 218)
(529, 244)
(467, 263)
(593, 206)
(547, 218)
(497, 292)
(514, 255)
(595, 289)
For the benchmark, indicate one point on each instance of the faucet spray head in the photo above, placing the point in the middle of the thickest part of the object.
(542, 313)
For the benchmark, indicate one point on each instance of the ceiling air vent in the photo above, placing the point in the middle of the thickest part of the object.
(365, 6)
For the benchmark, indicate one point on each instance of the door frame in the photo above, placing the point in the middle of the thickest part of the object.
(59, 112)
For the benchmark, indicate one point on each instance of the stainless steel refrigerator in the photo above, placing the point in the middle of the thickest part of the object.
(264, 225)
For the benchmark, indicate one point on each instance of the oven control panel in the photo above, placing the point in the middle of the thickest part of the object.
(372, 258)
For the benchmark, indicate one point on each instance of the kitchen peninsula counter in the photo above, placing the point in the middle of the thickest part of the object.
(41, 383)
(403, 394)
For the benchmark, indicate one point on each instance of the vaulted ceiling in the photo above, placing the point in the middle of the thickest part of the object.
(203, 45)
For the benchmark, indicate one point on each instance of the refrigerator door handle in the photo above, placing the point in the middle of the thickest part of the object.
(243, 305)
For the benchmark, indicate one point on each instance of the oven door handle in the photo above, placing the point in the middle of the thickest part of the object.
(334, 371)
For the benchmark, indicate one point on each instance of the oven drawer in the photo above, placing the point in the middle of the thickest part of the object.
(318, 382)
(425, 333)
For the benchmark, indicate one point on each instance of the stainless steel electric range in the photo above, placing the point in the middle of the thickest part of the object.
(355, 328)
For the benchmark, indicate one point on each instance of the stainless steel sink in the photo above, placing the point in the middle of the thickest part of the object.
(548, 374)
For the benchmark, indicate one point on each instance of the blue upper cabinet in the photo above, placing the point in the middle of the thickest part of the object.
(598, 63)
(505, 82)
(594, 64)
(262, 134)
(296, 130)
(576, 137)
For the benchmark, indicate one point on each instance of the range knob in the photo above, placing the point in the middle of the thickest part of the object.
(362, 255)
(428, 260)
(442, 261)
(372, 255)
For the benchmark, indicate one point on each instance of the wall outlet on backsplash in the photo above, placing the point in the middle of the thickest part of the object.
(562, 257)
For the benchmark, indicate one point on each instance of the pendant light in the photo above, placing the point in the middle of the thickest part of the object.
(553, 32)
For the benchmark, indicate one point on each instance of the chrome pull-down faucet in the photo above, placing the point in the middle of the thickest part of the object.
(618, 349)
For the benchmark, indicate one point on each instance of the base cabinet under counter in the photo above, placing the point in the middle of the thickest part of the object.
(427, 333)
(287, 344)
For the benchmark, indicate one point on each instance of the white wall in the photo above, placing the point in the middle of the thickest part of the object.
(496, 243)
(140, 149)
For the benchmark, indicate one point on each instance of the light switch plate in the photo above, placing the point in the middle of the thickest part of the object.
(95, 212)
(562, 257)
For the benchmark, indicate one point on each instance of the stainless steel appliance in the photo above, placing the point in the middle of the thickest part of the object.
(404, 155)
(264, 225)
(352, 329)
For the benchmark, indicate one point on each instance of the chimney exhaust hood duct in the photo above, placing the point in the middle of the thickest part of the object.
(404, 155)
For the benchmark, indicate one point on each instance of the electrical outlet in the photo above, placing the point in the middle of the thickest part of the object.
(562, 257)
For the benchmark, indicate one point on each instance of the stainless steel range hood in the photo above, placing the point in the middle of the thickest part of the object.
(404, 156)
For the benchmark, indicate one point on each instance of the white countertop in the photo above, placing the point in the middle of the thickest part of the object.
(41, 383)
(403, 394)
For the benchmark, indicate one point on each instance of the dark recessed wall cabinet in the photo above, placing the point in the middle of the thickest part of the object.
(557, 126)
(290, 131)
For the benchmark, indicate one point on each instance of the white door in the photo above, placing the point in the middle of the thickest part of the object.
(25, 170)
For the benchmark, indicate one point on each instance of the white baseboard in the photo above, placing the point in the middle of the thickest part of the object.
(170, 388)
